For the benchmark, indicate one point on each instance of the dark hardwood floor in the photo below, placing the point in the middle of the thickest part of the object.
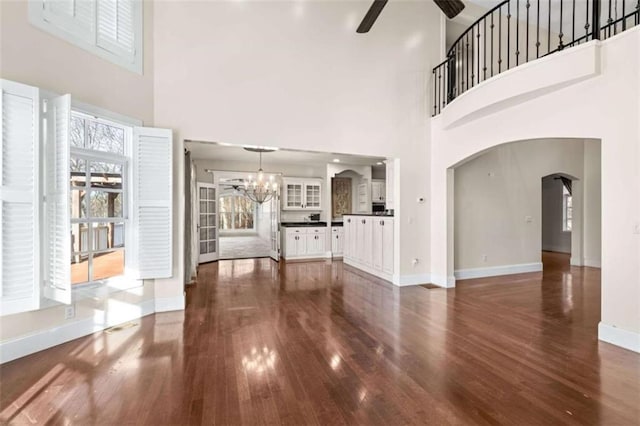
(321, 343)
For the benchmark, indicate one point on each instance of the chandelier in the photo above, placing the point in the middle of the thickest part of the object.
(260, 190)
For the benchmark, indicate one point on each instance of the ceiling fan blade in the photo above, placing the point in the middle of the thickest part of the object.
(371, 16)
(451, 8)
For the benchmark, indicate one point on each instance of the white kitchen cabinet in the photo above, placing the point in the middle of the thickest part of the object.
(364, 240)
(387, 246)
(305, 242)
(301, 194)
(382, 244)
(364, 206)
(316, 239)
(349, 231)
(295, 243)
(369, 244)
(378, 191)
(337, 241)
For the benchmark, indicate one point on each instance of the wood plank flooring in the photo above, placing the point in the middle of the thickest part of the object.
(322, 343)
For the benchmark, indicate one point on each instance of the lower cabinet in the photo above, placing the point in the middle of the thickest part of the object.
(337, 241)
(305, 242)
(368, 244)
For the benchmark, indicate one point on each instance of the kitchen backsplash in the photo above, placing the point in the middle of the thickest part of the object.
(292, 216)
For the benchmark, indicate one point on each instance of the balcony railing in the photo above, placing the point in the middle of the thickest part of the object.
(519, 31)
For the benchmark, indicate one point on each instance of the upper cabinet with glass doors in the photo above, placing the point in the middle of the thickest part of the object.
(301, 194)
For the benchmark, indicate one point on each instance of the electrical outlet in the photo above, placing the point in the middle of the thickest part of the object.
(484, 257)
(415, 261)
(69, 311)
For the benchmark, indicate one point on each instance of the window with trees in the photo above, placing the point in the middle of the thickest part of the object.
(98, 179)
(567, 210)
(237, 212)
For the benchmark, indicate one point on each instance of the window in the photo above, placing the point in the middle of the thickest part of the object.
(111, 29)
(237, 212)
(98, 179)
(72, 188)
(567, 210)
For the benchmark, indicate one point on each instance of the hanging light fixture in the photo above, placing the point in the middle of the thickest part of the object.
(260, 190)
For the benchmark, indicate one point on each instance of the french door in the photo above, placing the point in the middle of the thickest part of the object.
(207, 222)
(274, 253)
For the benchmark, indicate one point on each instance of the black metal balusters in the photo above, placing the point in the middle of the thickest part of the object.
(500, 38)
(466, 63)
(517, 32)
(549, 30)
(508, 32)
(492, 26)
(586, 20)
(573, 21)
(595, 20)
(538, 31)
(478, 54)
(560, 35)
(484, 51)
(609, 21)
(527, 39)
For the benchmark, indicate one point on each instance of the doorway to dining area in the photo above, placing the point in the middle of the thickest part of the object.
(244, 225)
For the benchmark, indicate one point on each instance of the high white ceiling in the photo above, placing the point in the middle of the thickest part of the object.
(214, 151)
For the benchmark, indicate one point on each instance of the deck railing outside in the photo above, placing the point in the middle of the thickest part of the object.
(518, 31)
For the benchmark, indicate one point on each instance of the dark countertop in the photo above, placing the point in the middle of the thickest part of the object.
(337, 223)
(302, 224)
(369, 214)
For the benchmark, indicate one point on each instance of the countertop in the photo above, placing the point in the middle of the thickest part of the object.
(302, 224)
(369, 214)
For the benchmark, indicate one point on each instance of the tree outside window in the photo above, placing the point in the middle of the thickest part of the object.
(237, 212)
(98, 181)
(567, 210)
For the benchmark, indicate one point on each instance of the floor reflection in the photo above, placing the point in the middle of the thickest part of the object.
(323, 343)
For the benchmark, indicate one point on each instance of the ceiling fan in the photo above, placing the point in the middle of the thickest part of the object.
(451, 8)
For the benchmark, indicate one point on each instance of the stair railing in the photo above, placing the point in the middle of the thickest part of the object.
(518, 31)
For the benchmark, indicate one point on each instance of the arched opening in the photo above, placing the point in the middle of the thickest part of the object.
(498, 207)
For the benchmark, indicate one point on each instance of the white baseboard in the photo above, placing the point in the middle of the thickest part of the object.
(167, 304)
(493, 271)
(416, 279)
(44, 339)
(593, 263)
(619, 337)
(575, 261)
(369, 270)
(443, 281)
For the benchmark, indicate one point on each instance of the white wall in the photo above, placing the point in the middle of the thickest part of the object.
(554, 238)
(33, 57)
(592, 243)
(296, 75)
(571, 109)
(498, 201)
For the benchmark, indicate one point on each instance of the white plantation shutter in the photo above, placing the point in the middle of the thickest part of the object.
(19, 198)
(152, 202)
(57, 225)
(116, 26)
(110, 29)
(77, 17)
